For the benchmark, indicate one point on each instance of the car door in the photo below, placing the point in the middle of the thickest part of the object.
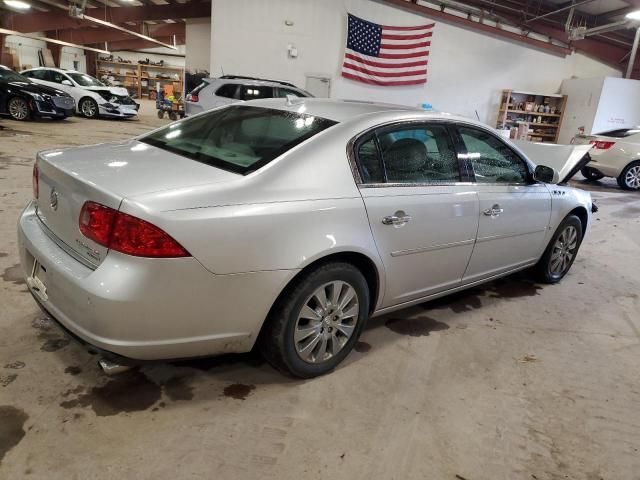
(57, 78)
(423, 217)
(514, 211)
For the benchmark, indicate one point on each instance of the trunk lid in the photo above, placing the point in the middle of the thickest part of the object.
(567, 160)
(107, 174)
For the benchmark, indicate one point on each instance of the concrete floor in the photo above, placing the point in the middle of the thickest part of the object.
(511, 381)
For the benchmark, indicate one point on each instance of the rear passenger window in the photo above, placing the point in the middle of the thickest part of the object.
(369, 162)
(252, 92)
(422, 154)
(228, 91)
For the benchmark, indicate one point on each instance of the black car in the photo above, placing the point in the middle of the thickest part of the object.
(23, 99)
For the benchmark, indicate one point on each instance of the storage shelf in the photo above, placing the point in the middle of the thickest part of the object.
(524, 112)
(138, 77)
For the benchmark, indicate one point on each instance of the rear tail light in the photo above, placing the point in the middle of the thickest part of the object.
(35, 181)
(601, 144)
(192, 97)
(126, 233)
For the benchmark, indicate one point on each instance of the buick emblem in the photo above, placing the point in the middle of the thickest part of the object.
(53, 200)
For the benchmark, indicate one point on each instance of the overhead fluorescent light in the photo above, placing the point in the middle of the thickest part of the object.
(17, 4)
(635, 15)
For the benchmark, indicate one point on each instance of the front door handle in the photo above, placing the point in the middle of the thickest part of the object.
(493, 211)
(397, 219)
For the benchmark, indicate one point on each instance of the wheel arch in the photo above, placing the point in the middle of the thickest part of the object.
(583, 215)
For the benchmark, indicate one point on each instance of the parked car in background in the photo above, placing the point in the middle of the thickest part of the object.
(215, 92)
(93, 98)
(616, 154)
(287, 224)
(23, 99)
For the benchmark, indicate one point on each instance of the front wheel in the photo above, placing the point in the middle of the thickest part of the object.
(561, 251)
(629, 179)
(19, 109)
(316, 323)
(89, 107)
(591, 174)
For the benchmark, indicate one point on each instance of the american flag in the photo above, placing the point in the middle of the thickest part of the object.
(384, 55)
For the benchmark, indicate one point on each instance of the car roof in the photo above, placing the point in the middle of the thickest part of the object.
(252, 81)
(345, 110)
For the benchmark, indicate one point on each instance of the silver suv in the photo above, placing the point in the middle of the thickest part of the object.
(215, 92)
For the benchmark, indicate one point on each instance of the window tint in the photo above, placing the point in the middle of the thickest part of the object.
(39, 74)
(252, 92)
(228, 91)
(369, 162)
(238, 138)
(419, 155)
(491, 159)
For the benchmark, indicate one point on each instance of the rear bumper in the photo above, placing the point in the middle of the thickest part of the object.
(191, 108)
(148, 309)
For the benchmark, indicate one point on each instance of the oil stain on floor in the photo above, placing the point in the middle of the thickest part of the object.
(14, 275)
(415, 327)
(238, 391)
(12, 422)
(362, 347)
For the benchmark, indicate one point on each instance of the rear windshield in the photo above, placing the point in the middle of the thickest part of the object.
(620, 133)
(240, 139)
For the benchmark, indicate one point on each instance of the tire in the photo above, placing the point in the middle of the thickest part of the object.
(160, 114)
(19, 109)
(563, 247)
(302, 355)
(629, 179)
(173, 116)
(88, 107)
(591, 174)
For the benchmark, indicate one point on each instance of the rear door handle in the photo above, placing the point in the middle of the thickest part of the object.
(493, 211)
(397, 219)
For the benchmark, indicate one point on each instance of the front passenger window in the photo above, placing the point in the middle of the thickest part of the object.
(491, 159)
(421, 154)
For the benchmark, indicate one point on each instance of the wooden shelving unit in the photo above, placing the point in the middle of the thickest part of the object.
(518, 107)
(140, 78)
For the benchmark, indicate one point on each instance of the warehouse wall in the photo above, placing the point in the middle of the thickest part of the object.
(28, 49)
(466, 69)
(198, 40)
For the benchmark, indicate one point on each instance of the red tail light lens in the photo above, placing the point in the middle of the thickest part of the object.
(126, 233)
(192, 97)
(35, 181)
(601, 145)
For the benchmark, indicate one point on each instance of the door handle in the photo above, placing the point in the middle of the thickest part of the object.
(397, 219)
(493, 211)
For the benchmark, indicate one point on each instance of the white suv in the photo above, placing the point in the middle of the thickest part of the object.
(215, 92)
(93, 98)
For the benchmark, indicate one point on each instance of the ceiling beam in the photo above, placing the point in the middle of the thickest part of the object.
(87, 36)
(136, 44)
(51, 40)
(41, 21)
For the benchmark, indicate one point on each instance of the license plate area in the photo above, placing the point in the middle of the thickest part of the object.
(36, 281)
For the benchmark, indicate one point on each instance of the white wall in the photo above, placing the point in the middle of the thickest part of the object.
(198, 44)
(466, 71)
(28, 49)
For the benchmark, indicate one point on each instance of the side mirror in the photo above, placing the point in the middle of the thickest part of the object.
(67, 83)
(546, 174)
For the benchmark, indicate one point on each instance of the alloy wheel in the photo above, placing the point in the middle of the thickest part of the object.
(632, 177)
(326, 322)
(88, 108)
(18, 109)
(563, 251)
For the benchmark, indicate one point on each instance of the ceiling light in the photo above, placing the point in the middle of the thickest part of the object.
(18, 4)
(635, 15)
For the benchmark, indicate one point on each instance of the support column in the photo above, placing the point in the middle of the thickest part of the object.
(632, 57)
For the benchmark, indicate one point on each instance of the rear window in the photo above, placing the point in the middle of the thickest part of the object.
(620, 133)
(239, 139)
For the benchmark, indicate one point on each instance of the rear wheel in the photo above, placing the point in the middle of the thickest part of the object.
(317, 322)
(19, 109)
(561, 251)
(629, 179)
(160, 113)
(591, 174)
(89, 107)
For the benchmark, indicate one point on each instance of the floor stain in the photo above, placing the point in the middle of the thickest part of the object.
(238, 391)
(206, 364)
(415, 327)
(12, 422)
(3, 254)
(128, 392)
(15, 365)
(458, 302)
(42, 323)
(627, 212)
(513, 287)
(73, 370)
(54, 344)
(5, 381)
(362, 347)
(14, 275)
(178, 389)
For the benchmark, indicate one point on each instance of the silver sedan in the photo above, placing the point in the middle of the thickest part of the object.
(285, 224)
